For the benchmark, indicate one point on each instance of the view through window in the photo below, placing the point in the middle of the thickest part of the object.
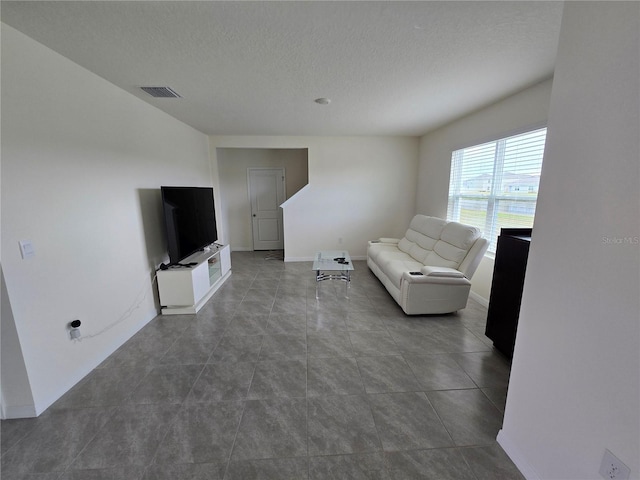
(495, 185)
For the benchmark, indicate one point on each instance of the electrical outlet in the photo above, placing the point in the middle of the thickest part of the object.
(612, 468)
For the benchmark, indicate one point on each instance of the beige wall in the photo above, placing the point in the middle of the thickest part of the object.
(232, 169)
(82, 163)
(520, 112)
(575, 378)
(360, 188)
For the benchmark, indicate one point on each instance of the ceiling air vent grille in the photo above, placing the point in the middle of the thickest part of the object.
(161, 92)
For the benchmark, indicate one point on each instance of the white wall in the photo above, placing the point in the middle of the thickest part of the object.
(82, 162)
(520, 112)
(232, 170)
(360, 188)
(17, 397)
(574, 388)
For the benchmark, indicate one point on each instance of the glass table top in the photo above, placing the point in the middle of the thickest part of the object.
(326, 260)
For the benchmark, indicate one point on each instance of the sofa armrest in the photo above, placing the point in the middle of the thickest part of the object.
(446, 272)
(386, 241)
(415, 277)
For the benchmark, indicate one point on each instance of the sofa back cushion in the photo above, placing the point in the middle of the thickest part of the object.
(422, 235)
(436, 242)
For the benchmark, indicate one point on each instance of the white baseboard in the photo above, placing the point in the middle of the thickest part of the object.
(481, 300)
(18, 411)
(517, 457)
(298, 259)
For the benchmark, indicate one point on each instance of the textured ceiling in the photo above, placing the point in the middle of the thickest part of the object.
(254, 68)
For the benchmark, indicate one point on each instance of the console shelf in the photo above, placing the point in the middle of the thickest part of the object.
(185, 290)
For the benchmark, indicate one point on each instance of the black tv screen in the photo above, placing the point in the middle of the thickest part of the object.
(189, 219)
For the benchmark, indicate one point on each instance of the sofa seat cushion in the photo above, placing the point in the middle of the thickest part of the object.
(385, 257)
(395, 265)
(377, 249)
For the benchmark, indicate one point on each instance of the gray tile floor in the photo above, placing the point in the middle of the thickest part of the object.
(267, 382)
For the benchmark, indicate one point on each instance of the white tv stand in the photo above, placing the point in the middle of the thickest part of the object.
(185, 290)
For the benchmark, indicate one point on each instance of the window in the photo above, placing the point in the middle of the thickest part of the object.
(495, 185)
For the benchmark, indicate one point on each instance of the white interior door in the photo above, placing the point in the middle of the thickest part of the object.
(266, 194)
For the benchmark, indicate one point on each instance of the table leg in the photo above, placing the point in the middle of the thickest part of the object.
(348, 284)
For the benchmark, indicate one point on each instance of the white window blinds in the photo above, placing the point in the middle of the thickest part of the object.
(495, 185)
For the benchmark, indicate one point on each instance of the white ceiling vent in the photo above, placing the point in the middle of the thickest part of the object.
(161, 92)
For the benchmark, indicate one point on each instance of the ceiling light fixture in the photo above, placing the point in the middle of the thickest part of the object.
(322, 101)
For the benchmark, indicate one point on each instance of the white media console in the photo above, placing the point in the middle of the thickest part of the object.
(185, 290)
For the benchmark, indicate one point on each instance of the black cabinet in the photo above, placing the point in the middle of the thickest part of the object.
(506, 288)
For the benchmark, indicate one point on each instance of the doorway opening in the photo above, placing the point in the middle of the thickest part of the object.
(236, 216)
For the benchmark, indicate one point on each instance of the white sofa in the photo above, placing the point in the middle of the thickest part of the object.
(429, 270)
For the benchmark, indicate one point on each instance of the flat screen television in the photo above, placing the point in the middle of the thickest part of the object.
(189, 220)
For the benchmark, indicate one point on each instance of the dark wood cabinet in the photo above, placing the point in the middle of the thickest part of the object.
(506, 288)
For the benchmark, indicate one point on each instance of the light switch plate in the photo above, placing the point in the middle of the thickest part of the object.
(26, 249)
